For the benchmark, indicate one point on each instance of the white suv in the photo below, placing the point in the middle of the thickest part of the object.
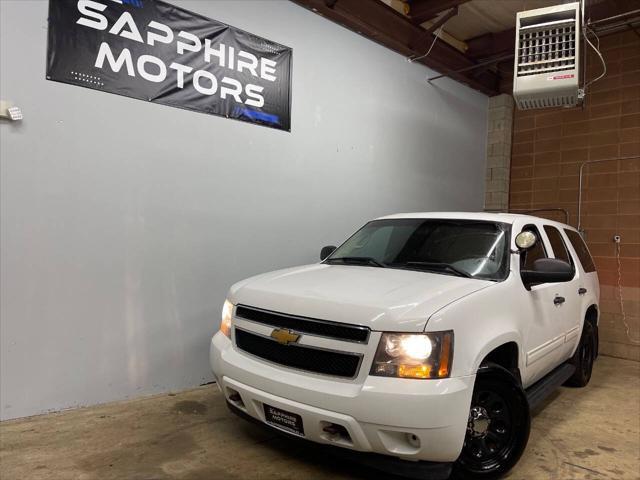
(424, 340)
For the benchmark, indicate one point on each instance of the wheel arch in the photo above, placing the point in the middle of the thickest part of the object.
(592, 315)
(504, 351)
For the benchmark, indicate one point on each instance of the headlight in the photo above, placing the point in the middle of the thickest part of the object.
(227, 313)
(411, 355)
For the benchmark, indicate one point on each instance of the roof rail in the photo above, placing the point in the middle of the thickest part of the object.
(535, 210)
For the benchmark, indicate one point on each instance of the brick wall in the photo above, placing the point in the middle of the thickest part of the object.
(499, 137)
(547, 150)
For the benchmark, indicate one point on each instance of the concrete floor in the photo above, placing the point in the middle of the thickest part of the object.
(591, 433)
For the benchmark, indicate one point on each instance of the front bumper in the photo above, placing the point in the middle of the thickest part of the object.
(409, 419)
(397, 467)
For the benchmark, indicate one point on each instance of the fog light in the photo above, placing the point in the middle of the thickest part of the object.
(413, 440)
(235, 398)
(335, 433)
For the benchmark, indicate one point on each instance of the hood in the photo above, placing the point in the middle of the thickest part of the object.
(382, 299)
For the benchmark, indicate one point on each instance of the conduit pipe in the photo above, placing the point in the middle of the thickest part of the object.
(584, 164)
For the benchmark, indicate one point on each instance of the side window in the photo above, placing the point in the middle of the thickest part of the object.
(534, 253)
(581, 249)
(557, 244)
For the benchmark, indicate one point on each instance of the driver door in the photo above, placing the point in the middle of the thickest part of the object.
(544, 336)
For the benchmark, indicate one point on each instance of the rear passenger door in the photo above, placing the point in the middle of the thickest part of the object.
(568, 302)
(587, 282)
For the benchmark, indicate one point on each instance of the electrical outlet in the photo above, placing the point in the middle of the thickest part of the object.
(616, 238)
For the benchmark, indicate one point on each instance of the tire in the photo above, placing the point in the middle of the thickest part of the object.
(584, 357)
(498, 427)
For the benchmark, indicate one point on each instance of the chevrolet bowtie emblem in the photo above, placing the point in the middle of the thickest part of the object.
(284, 336)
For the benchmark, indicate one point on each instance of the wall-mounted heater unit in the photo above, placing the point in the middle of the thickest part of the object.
(547, 57)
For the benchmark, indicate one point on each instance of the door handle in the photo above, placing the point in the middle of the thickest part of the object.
(558, 300)
(582, 291)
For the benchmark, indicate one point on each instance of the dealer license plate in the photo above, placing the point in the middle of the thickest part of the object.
(291, 422)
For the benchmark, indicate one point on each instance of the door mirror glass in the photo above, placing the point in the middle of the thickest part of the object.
(526, 239)
(547, 270)
(326, 251)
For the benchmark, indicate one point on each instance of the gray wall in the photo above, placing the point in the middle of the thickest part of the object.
(124, 223)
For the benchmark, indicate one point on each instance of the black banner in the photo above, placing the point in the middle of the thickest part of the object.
(161, 53)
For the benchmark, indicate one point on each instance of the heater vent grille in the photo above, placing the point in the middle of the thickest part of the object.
(547, 49)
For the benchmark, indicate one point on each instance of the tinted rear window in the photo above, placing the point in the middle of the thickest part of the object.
(581, 249)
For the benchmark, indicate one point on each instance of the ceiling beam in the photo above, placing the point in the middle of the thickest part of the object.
(420, 43)
(493, 44)
(382, 24)
(608, 8)
(422, 10)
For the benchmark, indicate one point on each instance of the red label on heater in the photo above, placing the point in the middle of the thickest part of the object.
(561, 77)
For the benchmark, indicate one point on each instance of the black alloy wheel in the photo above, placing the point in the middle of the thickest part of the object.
(498, 426)
(584, 357)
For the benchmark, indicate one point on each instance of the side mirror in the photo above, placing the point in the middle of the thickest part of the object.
(326, 251)
(526, 239)
(547, 270)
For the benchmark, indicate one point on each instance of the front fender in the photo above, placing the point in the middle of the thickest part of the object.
(482, 322)
(498, 341)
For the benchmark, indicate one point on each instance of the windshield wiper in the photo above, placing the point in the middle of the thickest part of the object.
(437, 266)
(357, 261)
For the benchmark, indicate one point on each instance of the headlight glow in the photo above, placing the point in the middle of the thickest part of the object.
(413, 346)
(414, 355)
(227, 313)
(416, 346)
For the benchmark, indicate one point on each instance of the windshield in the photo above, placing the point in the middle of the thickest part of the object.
(475, 249)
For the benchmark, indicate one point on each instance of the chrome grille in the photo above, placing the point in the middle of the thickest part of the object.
(310, 326)
(302, 357)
